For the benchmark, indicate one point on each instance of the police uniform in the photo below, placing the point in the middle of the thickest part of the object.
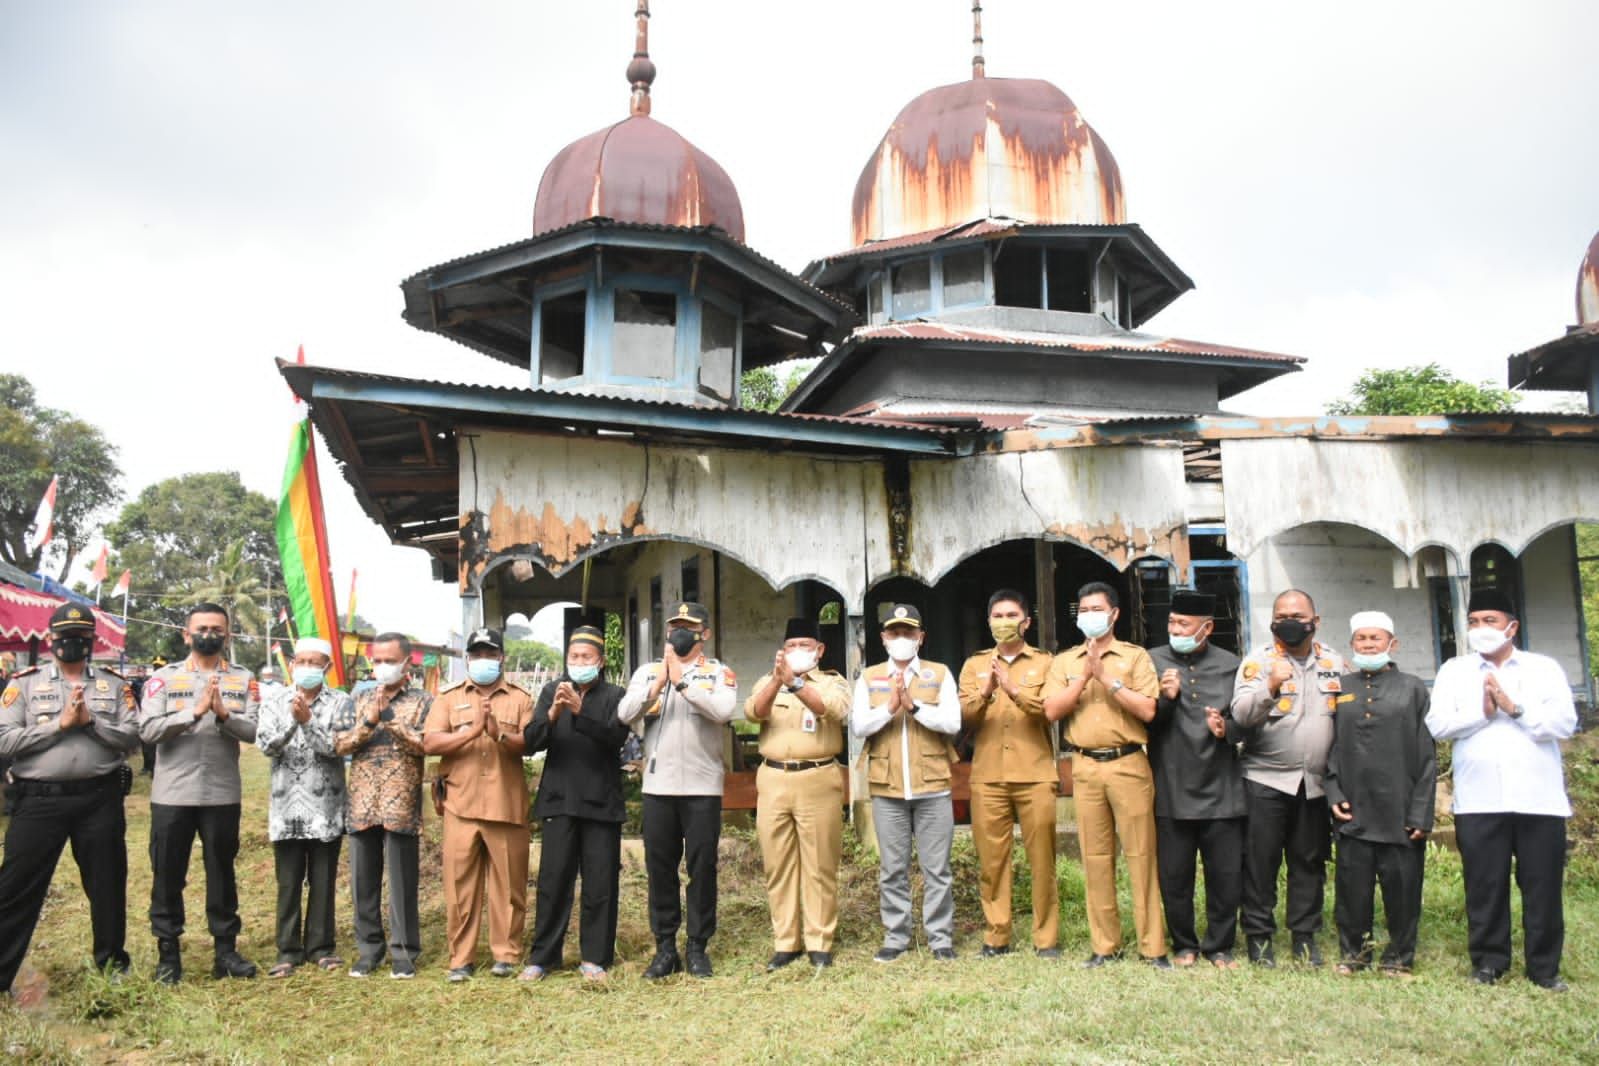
(1286, 739)
(684, 729)
(67, 786)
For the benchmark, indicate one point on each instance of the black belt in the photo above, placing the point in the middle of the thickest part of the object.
(1108, 754)
(28, 787)
(790, 767)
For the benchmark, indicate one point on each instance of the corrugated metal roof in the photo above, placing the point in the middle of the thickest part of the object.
(1124, 341)
(980, 228)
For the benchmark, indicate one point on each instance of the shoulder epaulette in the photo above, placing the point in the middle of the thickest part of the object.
(25, 672)
(452, 686)
(113, 673)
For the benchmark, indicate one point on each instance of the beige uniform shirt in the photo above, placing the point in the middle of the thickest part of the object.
(1100, 721)
(483, 780)
(1011, 739)
(795, 733)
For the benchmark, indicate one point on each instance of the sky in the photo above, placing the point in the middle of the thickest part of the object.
(190, 190)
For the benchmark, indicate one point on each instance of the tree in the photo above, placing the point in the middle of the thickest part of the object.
(1421, 390)
(1588, 570)
(524, 655)
(760, 389)
(36, 444)
(235, 584)
(174, 537)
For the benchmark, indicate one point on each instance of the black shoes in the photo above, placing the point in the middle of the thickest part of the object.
(169, 962)
(781, 959)
(697, 963)
(994, 951)
(1048, 953)
(1306, 951)
(944, 954)
(665, 964)
(820, 959)
(1261, 954)
(229, 963)
(887, 954)
(1095, 961)
(1159, 962)
(1551, 984)
(1486, 976)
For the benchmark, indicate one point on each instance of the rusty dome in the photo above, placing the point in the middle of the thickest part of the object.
(987, 148)
(1588, 286)
(638, 170)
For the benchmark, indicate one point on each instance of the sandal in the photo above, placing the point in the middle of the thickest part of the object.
(531, 972)
(1185, 958)
(282, 969)
(330, 962)
(1344, 969)
(593, 972)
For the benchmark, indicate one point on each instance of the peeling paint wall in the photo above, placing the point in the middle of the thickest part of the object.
(1554, 612)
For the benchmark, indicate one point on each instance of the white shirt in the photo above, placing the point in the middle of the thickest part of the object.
(941, 717)
(1504, 764)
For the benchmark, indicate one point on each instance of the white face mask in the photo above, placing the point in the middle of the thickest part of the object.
(1093, 623)
(901, 649)
(1485, 640)
(800, 661)
(387, 673)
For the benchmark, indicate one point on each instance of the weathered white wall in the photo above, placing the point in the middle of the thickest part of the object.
(1554, 611)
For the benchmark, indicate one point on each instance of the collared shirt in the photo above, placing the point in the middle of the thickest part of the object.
(1504, 764)
(1012, 741)
(683, 731)
(1383, 762)
(784, 736)
(385, 787)
(1100, 721)
(943, 716)
(482, 780)
(307, 777)
(197, 759)
(1197, 774)
(1287, 735)
(40, 750)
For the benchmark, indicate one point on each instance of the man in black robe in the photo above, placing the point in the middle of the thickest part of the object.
(1199, 786)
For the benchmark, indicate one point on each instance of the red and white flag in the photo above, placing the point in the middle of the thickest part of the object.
(124, 583)
(283, 615)
(100, 564)
(44, 519)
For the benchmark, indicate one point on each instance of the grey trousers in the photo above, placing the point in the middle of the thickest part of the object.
(370, 851)
(308, 868)
(930, 822)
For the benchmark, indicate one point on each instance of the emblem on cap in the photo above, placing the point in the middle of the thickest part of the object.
(682, 609)
(900, 612)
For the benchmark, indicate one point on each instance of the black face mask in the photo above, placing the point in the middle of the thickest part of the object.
(1292, 632)
(207, 643)
(72, 649)
(682, 640)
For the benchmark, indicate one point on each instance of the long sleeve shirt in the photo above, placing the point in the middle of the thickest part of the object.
(1504, 764)
(582, 766)
(1383, 761)
(197, 759)
(1012, 741)
(784, 736)
(32, 737)
(1287, 735)
(307, 777)
(683, 731)
(1197, 774)
(386, 760)
(482, 780)
(942, 715)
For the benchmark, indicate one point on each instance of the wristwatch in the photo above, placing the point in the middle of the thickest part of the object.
(1117, 685)
(1517, 711)
(799, 683)
(681, 685)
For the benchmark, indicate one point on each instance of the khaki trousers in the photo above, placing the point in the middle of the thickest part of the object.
(800, 821)
(475, 851)
(1117, 799)
(996, 806)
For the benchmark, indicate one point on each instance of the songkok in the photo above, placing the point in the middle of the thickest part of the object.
(1489, 599)
(802, 629)
(587, 635)
(1193, 603)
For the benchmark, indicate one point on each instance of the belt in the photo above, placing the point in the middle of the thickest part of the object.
(790, 767)
(29, 787)
(1108, 754)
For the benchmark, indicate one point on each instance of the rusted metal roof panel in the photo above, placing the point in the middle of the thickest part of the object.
(986, 227)
(1588, 285)
(1560, 365)
(1115, 342)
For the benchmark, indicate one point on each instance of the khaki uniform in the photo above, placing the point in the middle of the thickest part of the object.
(1115, 797)
(905, 758)
(800, 814)
(1014, 779)
(485, 820)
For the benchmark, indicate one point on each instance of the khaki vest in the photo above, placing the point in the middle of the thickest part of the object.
(932, 753)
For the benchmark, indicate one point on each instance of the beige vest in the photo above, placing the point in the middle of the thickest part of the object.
(931, 753)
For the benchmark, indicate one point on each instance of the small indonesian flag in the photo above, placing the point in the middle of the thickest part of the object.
(283, 614)
(100, 564)
(44, 520)
(124, 583)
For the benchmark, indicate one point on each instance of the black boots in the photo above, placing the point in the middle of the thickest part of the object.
(665, 963)
(169, 962)
(698, 963)
(229, 963)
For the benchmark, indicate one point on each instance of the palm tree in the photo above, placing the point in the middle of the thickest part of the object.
(234, 584)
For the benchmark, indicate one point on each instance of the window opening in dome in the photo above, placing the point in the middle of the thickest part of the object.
(965, 278)
(913, 289)
(874, 299)
(560, 329)
(1019, 276)
(644, 337)
(1067, 281)
(718, 353)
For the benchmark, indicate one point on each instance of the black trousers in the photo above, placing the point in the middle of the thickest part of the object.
(172, 833)
(40, 828)
(371, 850)
(1220, 843)
(568, 846)
(1537, 842)
(1291, 828)
(675, 827)
(311, 868)
(1362, 865)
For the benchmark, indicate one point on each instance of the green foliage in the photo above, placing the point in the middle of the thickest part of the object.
(1421, 390)
(175, 536)
(236, 585)
(524, 655)
(1588, 569)
(37, 443)
(615, 649)
(760, 389)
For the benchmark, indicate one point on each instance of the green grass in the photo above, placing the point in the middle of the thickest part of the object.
(1017, 1009)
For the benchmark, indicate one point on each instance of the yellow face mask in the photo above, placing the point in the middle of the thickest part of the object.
(1005, 630)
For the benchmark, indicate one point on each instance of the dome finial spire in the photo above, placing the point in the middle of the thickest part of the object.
(977, 39)
(641, 72)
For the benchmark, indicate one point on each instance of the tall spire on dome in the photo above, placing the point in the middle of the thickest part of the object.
(977, 40)
(641, 72)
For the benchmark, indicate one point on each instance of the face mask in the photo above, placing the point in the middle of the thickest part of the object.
(309, 677)
(682, 641)
(800, 662)
(483, 671)
(1370, 663)
(387, 673)
(1004, 630)
(1292, 632)
(582, 675)
(1184, 645)
(1093, 623)
(72, 649)
(1485, 640)
(901, 649)
(207, 643)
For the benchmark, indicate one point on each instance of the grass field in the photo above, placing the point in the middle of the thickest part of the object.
(1017, 1009)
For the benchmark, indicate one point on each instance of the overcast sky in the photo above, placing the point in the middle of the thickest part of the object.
(189, 190)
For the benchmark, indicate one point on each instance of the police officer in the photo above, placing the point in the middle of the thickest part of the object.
(67, 727)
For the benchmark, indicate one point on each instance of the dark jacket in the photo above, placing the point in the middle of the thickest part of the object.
(1197, 774)
(582, 770)
(1383, 761)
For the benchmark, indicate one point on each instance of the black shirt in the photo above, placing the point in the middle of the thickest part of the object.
(1383, 761)
(1197, 774)
(582, 770)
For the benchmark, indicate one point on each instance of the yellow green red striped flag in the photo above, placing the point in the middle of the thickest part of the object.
(303, 547)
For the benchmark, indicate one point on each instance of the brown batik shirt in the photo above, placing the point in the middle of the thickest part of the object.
(385, 779)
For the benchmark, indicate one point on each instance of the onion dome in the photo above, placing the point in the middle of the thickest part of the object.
(1588, 286)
